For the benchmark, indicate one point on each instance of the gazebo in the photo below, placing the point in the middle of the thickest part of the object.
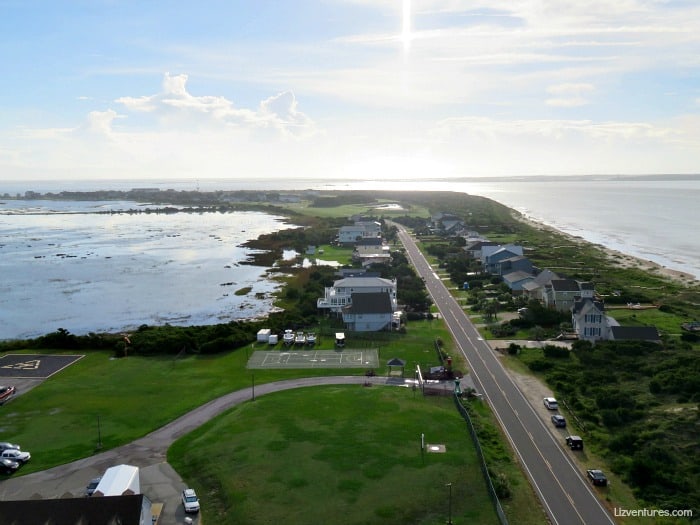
(394, 364)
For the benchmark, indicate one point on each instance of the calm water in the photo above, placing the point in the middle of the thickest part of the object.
(90, 272)
(111, 272)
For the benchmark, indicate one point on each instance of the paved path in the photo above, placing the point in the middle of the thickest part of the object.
(159, 481)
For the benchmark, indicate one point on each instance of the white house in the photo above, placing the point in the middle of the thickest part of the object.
(589, 320)
(340, 294)
(359, 230)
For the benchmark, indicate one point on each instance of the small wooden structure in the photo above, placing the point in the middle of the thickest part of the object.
(394, 364)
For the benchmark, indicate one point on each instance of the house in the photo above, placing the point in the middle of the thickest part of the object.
(560, 294)
(635, 333)
(368, 312)
(475, 248)
(514, 264)
(371, 254)
(134, 509)
(340, 294)
(349, 235)
(589, 320)
(516, 280)
(535, 288)
(491, 256)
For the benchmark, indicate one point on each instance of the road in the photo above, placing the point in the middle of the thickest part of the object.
(566, 495)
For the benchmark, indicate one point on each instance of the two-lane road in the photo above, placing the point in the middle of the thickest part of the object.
(566, 495)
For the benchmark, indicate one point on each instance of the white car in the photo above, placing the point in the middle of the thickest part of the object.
(16, 455)
(190, 500)
(551, 403)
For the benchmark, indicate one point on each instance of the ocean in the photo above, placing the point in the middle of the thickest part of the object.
(109, 272)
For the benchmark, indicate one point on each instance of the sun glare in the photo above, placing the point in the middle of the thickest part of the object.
(406, 26)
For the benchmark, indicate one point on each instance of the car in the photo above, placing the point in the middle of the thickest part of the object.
(574, 442)
(16, 455)
(597, 477)
(551, 403)
(190, 500)
(559, 421)
(4, 445)
(6, 392)
(7, 466)
(90, 489)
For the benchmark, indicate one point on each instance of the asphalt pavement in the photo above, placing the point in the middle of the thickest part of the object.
(567, 497)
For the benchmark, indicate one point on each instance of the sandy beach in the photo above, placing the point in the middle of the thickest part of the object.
(618, 258)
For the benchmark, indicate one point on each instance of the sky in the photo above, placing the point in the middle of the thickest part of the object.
(333, 89)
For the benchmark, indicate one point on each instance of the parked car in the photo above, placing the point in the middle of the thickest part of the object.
(6, 392)
(597, 477)
(7, 466)
(90, 489)
(574, 442)
(551, 403)
(559, 421)
(190, 500)
(4, 445)
(16, 455)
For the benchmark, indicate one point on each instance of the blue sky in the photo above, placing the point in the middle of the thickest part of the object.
(348, 88)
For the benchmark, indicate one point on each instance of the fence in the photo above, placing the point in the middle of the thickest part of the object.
(480, 454)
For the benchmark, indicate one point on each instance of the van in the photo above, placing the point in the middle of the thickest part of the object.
(574, 442)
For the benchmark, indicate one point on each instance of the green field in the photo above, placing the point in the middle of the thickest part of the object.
(341, 455)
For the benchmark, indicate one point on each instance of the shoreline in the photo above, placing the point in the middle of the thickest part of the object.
(617, 257)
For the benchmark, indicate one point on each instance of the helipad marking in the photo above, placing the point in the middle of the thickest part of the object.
(26, 365)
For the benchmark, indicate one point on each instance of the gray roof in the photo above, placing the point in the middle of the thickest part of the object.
(546, 276)
(581, 303)
(363, 282)
(513, 277)
(370, 303)
(635, 333)
(565, 285)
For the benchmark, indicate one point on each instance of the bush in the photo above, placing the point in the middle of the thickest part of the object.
(556, 351)
(540, 365)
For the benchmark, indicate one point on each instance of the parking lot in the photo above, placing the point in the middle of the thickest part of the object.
(158, 480)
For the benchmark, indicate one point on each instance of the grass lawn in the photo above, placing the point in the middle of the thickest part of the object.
(57, 421)
(341, 455)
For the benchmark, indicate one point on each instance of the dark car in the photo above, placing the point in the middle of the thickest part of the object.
(597, 477)
(574, 442)
(4, 445)
(6, 392)
(559, 421)
(7, 466)
(90, 489)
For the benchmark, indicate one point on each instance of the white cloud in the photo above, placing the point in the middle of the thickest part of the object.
(176, 106)
(569, 94)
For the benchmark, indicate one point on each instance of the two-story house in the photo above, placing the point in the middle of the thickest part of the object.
(560, 294)
(589, 320)
(340, 294)
(349, 235)
(368, 312)
(491, 256)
